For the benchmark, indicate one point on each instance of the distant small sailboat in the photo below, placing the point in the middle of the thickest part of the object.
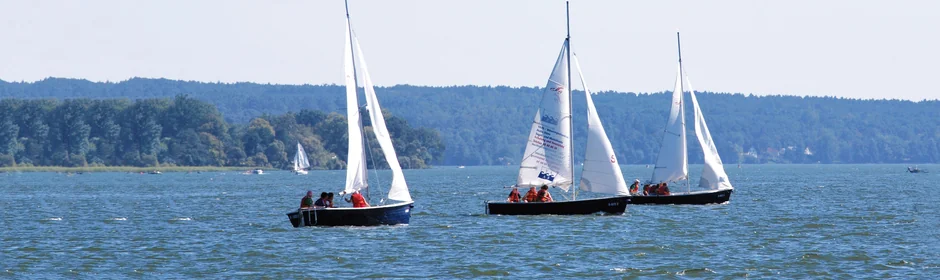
(672, 164)
(300, 161)
(548, 159)
(915, 169)
(461, 167)
(399, 210)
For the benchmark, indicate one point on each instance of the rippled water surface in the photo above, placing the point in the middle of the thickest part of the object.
(831, 221)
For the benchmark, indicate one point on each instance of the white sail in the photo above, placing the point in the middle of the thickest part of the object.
(601, 171)
(355, 160)
(399, 188)
(300, 159)
(672, 163)
(547, 157)
(713, 173)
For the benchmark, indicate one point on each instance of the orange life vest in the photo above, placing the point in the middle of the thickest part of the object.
(531, 196)
(358, 201)
(514, 196)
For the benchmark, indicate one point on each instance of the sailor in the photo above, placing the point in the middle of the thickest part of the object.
(329, 200)
(322, 201)
(544, 195)
(307, 201)
(663, 189)
(635, 188)
(532, 195)
(514, 195)
(357, 200)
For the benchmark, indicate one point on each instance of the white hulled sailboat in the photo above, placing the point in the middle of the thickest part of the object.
(301, 163)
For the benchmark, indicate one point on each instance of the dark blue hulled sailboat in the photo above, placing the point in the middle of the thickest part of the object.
(398, 211)
(672, 164)
(548, 155)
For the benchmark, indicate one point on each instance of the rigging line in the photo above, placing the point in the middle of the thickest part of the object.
(371, 154)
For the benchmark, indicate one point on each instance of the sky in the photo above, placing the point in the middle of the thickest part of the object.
(856, 49)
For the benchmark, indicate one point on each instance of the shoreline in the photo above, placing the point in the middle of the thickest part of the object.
(128, 169)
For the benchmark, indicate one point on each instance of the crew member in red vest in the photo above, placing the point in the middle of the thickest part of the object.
(514, 195)
(663, 190)
(544, 195)
(357, 200)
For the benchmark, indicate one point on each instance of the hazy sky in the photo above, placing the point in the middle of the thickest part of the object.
(862, 49)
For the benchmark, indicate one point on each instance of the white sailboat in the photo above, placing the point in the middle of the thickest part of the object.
(548, 159)
(672, 164)
(397, 208)
(300, 161)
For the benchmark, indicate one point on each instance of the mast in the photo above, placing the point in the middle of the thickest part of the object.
(352, 51)
(688, 183)
(574, 195)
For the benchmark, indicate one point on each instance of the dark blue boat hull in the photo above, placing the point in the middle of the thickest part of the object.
(608, 205)
(393, 214)
(698, 198)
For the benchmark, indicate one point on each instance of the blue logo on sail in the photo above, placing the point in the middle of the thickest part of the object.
(546, 176)
(549, 119)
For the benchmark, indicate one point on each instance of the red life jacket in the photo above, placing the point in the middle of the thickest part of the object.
(358, 201)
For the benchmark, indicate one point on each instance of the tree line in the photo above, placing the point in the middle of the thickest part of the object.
(484, 125)
(184, 131)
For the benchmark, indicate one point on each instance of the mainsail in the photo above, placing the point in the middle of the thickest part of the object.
(300, 159)
(672, 163)
(547, 157)
(601, 171)
(399, 189)
(356, 176)
(713, 173)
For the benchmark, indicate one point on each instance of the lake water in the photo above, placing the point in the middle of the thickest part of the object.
(793, 221)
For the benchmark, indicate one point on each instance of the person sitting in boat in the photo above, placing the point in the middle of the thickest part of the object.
(646, 189)
(514, 195)
(663, 189)
(329, 200)
(544, 195)
(532, 195)
(635, 188)
(322, 201)
(307, 201)
(357, 200)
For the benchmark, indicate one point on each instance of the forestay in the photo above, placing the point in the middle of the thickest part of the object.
(672, 163)
(713, 173)
(547, 157)
(399, 189)
(601, 171)
(355, 160)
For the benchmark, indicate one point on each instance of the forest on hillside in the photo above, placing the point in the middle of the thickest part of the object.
(184, 131)
(483, 125)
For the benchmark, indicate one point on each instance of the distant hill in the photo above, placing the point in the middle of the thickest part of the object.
(488, 125)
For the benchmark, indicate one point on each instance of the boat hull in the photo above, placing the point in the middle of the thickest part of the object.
(609, 205)
(697, 198)
(393, 214)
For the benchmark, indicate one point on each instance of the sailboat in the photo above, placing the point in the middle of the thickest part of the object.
(300, 161)
(548, 156)
(396, 209)
(672, 164)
